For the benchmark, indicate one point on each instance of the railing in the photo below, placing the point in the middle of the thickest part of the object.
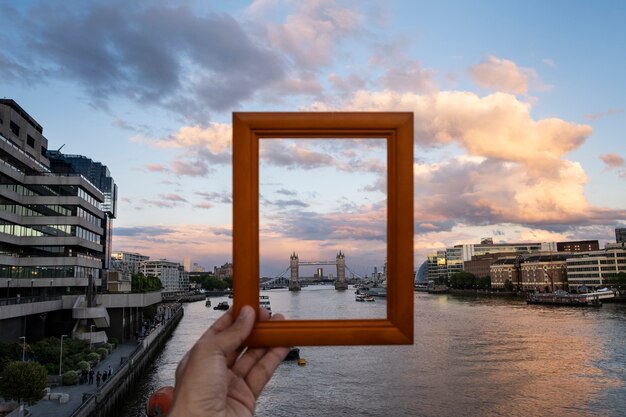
(26, 300)
(120, 373)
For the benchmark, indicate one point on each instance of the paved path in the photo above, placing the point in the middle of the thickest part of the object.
(49, 408)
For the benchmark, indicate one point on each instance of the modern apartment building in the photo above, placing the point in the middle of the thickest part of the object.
(593, 268)
(173, 276)
(130, 260)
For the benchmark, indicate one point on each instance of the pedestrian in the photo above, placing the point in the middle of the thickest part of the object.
(83, 376)
(98, 377)
(91, 377)
(109, 372)
(104, 377)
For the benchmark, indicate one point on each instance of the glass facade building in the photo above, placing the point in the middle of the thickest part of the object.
(54, 226)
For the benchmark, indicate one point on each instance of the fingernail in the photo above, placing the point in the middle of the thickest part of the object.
(246, 311)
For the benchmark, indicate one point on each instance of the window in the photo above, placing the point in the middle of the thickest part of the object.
(15, 128)
(30, 141)
(44, 151)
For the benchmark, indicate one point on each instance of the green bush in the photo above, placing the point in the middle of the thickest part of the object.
(108, 347)
(52, 368)
(23, 381)
(93, 358)
(114, 342)
(103, 352)
(83, 366)
(70, 378)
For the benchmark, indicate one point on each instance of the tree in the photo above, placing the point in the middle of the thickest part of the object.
(24, 382)
(462, 280)
(141, 283)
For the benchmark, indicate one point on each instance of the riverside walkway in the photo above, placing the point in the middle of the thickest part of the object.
(52, 408)
(124, 361)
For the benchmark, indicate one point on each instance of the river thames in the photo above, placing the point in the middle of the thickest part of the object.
(473, 356)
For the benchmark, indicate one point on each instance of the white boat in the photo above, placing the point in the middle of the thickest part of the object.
(264, 302)
(360, 297)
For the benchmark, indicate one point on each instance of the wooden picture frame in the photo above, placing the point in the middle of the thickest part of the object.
(397, 129)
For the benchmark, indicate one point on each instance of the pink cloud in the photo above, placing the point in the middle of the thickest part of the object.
(310, 34)
(155, 168)
(502, 75)
(612, 160)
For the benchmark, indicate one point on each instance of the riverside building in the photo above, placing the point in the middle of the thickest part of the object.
(55, 237)
(445, 263)
(172, 275)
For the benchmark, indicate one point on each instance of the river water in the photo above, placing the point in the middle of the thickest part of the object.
(473, 356)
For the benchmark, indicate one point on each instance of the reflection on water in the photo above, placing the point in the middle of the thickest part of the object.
(323, 302)
(471, 357)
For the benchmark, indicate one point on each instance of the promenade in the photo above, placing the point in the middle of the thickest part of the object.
(52, 408)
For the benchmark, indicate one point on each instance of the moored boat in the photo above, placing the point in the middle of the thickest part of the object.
(222, 306)
(563, 298)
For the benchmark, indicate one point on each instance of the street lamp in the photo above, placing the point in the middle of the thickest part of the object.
(61, 354)
(91, 335)
(8, 285)
(23, 347)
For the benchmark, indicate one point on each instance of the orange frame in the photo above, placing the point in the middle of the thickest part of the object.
(397, 128)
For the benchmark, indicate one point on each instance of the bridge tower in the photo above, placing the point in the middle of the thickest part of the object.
(340, 283)
(294, 285)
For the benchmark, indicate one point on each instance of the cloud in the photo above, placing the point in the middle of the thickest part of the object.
(409, 76)
(612, 160)
(191, 168)
(221, 197)
(156, 168)
(214, 139)
(176, 57)
(595, 116)
(497, 126)
(142, 231)
(282, 204)
(293, 155)
(310, 33)
(502, 75)
(204, 205)
(204, 244)
(549, 62)
(286, 192)
(173, 197)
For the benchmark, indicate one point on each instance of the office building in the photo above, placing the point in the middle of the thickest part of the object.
(591, 269)
(578, 246)
(55, 237)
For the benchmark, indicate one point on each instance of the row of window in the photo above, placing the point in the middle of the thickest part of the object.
(48, 230)
(51, 190)
(40, 272)
(46, 252)
(40, 210)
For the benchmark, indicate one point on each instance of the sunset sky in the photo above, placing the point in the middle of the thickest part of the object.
(520, 124)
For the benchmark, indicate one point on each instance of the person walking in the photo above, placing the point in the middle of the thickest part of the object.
(91, 377)
(98, 377)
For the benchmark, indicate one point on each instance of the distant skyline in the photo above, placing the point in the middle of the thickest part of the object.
(519, 113)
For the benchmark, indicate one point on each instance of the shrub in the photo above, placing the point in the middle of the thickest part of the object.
(103, 352)
(93, 358)
(83, 365)
(23, 381)
(108, 347)
(114, 342)
(52, 368)
(70, 378)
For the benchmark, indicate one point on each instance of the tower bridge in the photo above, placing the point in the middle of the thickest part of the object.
(294, 266)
